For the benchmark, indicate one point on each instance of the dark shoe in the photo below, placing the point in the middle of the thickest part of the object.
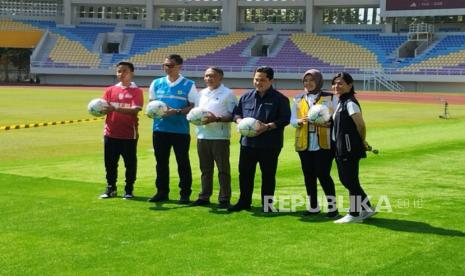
(238, 207)
(108, 194)
(310, 213)
(224, 205)
(158, 198)
(200, 202)
(332, 214)
(184, 200)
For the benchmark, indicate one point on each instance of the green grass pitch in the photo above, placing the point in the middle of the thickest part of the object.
(52, 221)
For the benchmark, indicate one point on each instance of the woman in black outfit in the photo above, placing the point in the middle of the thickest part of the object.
(348, 135)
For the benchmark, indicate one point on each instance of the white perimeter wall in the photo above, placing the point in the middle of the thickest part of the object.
(244, 80)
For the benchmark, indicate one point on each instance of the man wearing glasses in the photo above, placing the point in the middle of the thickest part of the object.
(172, 130)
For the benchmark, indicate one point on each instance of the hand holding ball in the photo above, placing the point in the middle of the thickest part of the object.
(196, 116)
(98, 107)
(156, 109)
(248, 127)
(319, 114)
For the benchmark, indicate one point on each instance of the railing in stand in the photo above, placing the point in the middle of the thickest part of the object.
(375, 79)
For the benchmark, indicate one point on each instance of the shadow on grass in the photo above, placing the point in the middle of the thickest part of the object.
(254, 211)
(159, 206)
(215, 210)
(413, 227)
(140, 198)
(258, 212)
(318, 218)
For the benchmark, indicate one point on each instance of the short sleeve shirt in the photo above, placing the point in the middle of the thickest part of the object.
(121, 125)
(221, 102)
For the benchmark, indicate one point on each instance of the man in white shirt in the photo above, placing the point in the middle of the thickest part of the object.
(213, 137)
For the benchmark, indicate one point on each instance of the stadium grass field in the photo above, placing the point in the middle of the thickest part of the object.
(52, 221)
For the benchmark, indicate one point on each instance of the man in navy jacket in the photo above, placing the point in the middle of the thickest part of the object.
(272, 111)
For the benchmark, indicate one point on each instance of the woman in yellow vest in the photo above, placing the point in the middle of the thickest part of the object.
(313, 144)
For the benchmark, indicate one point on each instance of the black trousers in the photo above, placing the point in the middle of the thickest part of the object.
(268, 160)
(162, 144)
(127, 148)
(348, 174)
(317, 165)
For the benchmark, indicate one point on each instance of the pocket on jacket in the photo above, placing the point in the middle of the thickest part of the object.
(248, 109)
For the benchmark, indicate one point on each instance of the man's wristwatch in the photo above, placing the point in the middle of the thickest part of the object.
(178, 111)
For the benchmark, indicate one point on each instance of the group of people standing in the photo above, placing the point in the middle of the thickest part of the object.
(342, 138)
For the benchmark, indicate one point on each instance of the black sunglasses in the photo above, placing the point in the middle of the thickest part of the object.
(169, 65)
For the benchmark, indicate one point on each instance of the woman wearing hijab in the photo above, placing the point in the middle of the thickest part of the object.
(313, 144)
(348, 135)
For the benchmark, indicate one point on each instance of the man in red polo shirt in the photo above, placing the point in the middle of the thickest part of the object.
(121, 129)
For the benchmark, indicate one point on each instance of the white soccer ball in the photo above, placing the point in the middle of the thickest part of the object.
(196, 115)
(156, 109)
(248, 127)
(319, 114)
(96, 107)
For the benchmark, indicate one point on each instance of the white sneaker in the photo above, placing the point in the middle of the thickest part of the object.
(108, 194)
(368, 213)
(349, 219)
